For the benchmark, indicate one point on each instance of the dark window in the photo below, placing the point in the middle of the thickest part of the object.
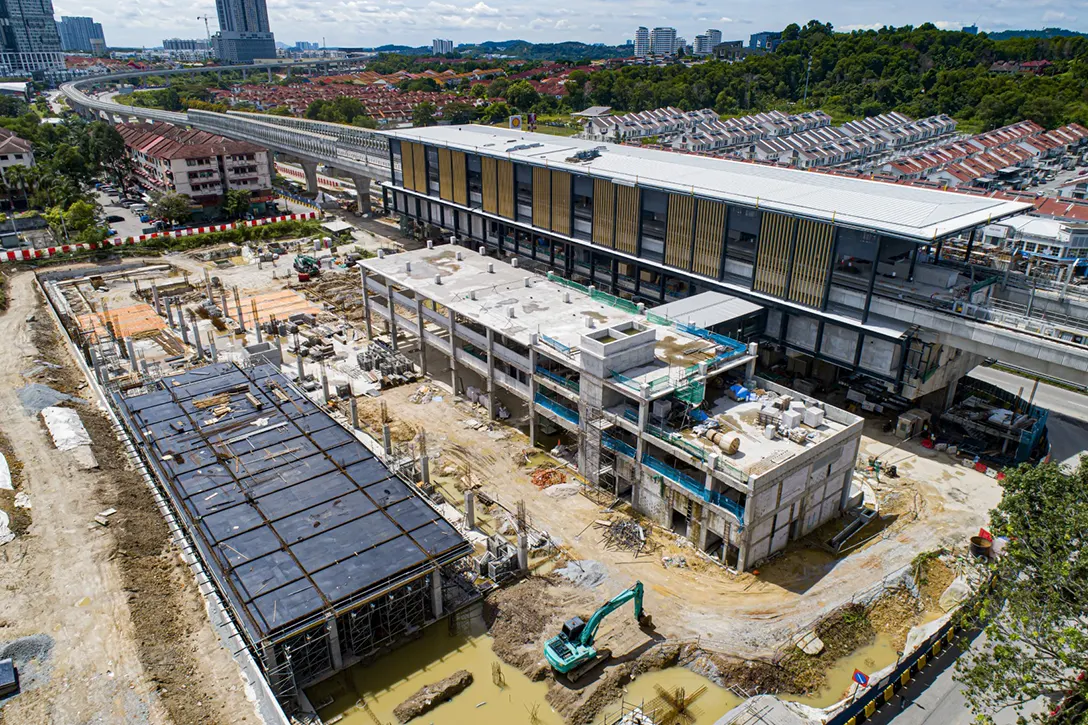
(432, 171)
(583, 208)
(475, 182)
(743, 230)
(398, 171)
(655, 204)
(523, 183)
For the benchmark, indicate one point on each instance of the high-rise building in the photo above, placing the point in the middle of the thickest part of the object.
(29, 40)
(304, 45)
(440, 46)
(78, 34)
(642, 42)
(244, 34)
(715, 37)
(701, 46)
(191, 45)
(679, 45)
(663, 41)
(970, 29)
(767, 41)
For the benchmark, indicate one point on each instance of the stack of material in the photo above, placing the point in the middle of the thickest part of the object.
(624, 534)
(395, 369)
(547, 476)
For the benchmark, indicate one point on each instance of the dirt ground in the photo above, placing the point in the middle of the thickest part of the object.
(128, 637)
(746, 615)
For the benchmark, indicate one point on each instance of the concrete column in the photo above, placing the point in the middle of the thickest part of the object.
(366, 305)
(453, 352)
(223, 302)
(301, 367)
(523, 551)
(279, 344)
(208, 286)
(425, 470)
(98, 371)
(422, 347)
(354, 413)
(155, 298)
(362, 189)
(436, 593)
(532, 390)
(169, 313)
(491, 387)
(212, 352)
(325, 383)
(333, 630)
(470, 510)
(310, 169)
(387, 440)
(392, 316)
(270, 159)
(182, 326)
(196, 339)
(238, 303)
(950, 393)
(131, 350)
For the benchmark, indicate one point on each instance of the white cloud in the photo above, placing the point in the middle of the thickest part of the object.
(595, 28)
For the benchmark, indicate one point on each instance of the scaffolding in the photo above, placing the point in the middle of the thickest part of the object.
(599, 461)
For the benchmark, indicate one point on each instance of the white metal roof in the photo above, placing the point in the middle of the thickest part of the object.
(706, 309)
(913, 212)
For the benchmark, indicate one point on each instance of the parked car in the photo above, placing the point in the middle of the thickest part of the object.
(139, 207)
(114, 219)
(145, 218)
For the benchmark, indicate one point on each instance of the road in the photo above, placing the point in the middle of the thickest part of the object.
(936, 698)
(1067, 425)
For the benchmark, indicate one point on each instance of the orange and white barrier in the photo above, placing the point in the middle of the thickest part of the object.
(20, 255)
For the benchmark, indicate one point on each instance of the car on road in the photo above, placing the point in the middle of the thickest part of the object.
(114, 219)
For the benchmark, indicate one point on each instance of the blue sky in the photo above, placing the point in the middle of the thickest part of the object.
(415, 22)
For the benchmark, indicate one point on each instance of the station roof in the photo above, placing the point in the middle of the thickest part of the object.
(292, 514)
(895, 209)
(706, 309)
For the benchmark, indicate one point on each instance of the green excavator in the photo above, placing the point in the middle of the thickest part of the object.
(571, 652)
(307, 265)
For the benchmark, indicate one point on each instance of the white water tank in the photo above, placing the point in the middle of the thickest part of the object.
(813, 417)
(791, 419)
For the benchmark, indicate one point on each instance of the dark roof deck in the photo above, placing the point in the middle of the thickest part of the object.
(292, 514)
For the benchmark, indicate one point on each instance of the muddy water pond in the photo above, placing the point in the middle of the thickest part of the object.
(869, 659)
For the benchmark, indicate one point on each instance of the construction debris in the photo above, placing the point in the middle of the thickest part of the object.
(677, 562)
(624, 534)
(546, 476)
(431, 696)
(587, 573)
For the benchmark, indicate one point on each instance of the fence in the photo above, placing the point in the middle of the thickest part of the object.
(20, 255)
(554, 377)
(614, 444)
(561, 410)
(718, 499)
(556, 345)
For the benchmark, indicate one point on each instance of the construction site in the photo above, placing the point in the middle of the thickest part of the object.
(432, 485)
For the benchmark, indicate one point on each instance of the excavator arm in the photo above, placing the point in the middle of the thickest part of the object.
(589, 632)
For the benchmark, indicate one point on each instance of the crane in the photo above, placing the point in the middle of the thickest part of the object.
(571, 652)
(207, 28)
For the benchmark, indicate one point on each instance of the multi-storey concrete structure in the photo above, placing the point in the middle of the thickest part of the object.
(642, 42)
(663, 41)
(441, 46)
(29, 41)
(198, 164)
(766, 40)
(855, 273)
(79, 34)
(645, 396)
(244, 34)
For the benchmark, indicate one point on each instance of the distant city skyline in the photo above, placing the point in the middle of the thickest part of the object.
(364, 23)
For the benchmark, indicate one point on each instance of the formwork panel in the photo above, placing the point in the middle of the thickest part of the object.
(294, 517)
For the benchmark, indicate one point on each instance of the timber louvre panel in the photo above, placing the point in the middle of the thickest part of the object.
(775, 235)
(490, 183)
(505, 172)
(407, 164)
(542, 197)
(604, 208)
(445, 174)
(561, 202)
(811, 262)
(678, 231)
(420, 162)
(460, 181)
(627, 214)
(708, 238)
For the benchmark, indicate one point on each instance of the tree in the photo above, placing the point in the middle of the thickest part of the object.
(521, 95)
(497, 88)
(458, 112)
(236, 203)
(1036, 614)
(423, 114)
(172, 207)
(106, 147)
(479, 90)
